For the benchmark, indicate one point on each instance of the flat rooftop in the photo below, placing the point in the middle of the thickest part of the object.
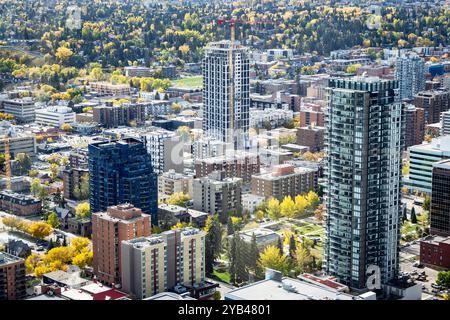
(288, 289)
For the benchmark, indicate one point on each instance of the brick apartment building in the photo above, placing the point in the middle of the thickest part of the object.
(111, 116)
(284, 180)
(19, 204)
(435, 251)
(12, 277)
(414, 125)
(241, 165)
(109, 229)
(312, 137)
(434, 102)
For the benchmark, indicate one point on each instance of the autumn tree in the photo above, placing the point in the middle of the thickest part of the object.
(287, 207)
(82, 210)
(273, 209)
(272, 258)
(40, 229)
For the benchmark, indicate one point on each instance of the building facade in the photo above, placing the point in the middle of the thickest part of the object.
(171, 182)
(414, 125)
(226, 94)
(124, 115)
(121, 172)
(165, 149)
(12, 277)
(440, 199)
(312, 137)
(421, 160)
(433, 103)
(55, 116)
(119, 223)
(22, 109)
(362, 179)
(218, 194)
(241, 165)
(160, 262)
(410, 74)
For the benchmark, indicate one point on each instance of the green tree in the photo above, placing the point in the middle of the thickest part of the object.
(84, 189)
(213, 242)
(426, 203)
(24, 162)
(404, 216)
(413, 215)
(236, 253)
(230, 227)
(53, 220)
(292, 246)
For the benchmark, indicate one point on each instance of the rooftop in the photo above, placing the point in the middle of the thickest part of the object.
(286, 289)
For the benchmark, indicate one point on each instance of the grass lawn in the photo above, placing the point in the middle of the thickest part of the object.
(310, 228)
(189, 82)
(222, 276)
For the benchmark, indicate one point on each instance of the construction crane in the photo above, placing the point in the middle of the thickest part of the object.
(7, 162)
(232, 23)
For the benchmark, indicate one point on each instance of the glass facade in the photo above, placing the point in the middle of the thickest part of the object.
(121, 172)
(362, 187)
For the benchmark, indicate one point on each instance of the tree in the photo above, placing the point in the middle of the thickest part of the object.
(54, 170)
(413, 215)
(66, 127)
(42, 192)
(301, 204)
(179, 199)
(63, 53)
(426, 203)
(353, 68)
(40, 229)
(230, 227)
(303, 259)
(280, 245)
(259, 215)
(273, 209)
(24, 162)
(84, 189)
(82, 210)
(287, 207)
(443, 279)
(313, 199)
(184, 49)
(292, 246)
(53, 220)
(404, 216)
(176, 107)
(319, 213)
(272, 258)
(217, 295)
(253, 254)
(236, 253)
(213, 242)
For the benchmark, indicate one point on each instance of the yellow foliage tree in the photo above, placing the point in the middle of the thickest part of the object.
(273, 209)
(272, 258)
(63, 53)
(82, 210)
(287, 207)
(40, 229)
